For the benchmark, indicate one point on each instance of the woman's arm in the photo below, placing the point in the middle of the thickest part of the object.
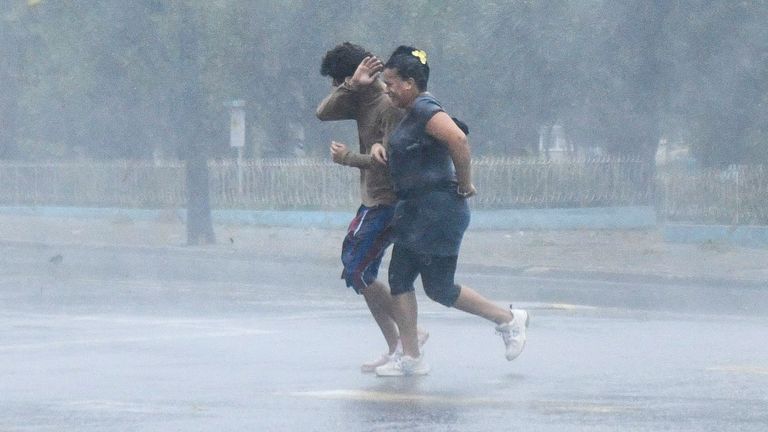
(442, 127)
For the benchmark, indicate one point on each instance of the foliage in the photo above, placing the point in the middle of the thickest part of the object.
(142, 79)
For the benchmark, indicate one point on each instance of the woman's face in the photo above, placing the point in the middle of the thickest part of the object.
(400, 91)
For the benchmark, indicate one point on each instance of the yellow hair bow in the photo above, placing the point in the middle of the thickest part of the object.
(421, 54)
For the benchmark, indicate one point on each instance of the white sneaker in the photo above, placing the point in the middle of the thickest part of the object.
(404, 366)
(513, 333)
(371, 366)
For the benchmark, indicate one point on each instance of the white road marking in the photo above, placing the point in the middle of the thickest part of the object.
(580, 407)
(132, 339)
(365, 395)
(741, 369)
(563, 406)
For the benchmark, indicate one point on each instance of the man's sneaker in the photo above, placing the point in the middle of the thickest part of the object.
(371, 366)
(403, 366)
(513, 333)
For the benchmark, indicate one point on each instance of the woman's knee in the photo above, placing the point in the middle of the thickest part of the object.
(446, 296)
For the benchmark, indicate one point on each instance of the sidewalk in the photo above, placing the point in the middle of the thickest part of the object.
(582, 254)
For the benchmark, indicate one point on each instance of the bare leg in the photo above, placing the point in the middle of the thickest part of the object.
(470, 301)
(380, 304)
(405, 311)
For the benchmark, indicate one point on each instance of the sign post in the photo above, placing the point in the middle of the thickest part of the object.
(237, 136)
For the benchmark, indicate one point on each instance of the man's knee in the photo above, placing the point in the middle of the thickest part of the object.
(374, 288)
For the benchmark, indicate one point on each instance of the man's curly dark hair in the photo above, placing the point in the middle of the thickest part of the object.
(342, 60)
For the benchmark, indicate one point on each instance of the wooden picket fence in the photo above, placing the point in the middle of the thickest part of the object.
(736, 195)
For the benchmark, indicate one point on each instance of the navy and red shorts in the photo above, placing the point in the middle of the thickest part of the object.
(368, 236)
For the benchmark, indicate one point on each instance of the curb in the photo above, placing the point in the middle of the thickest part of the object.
(748, 236)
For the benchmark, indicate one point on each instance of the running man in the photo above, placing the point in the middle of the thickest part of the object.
(359, 95)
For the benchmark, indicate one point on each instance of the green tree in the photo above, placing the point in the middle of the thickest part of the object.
(719, 52)
(12, 42)
(105, 79)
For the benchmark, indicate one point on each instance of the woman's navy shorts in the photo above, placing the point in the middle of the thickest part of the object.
(437, 274)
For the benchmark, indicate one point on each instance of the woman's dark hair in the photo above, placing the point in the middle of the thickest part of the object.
(342, 60)
(409, 64)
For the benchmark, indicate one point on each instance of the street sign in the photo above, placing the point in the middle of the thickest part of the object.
(237, 124)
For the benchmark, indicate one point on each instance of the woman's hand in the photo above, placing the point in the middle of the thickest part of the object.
(338, 151)
(379, 153)
(466, 191)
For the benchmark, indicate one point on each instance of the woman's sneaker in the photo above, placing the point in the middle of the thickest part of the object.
(513, 333)
(403, 366)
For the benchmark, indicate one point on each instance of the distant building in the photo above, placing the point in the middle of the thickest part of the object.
(673, 153)
(554, 145)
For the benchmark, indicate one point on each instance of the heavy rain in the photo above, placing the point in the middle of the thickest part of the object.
(172, 217)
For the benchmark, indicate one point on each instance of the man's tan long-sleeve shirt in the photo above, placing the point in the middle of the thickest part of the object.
(376, 117)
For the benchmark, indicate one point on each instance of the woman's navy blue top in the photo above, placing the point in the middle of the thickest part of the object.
(430, 217)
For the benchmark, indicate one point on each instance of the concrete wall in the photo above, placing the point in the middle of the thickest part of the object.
(527, 219)
(602, 218)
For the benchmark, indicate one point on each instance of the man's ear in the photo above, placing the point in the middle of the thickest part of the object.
(411, 82)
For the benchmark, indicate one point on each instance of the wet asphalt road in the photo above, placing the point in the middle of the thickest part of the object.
(191, 340)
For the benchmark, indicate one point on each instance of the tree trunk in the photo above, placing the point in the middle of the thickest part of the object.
(188, 108)
(199, 222)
